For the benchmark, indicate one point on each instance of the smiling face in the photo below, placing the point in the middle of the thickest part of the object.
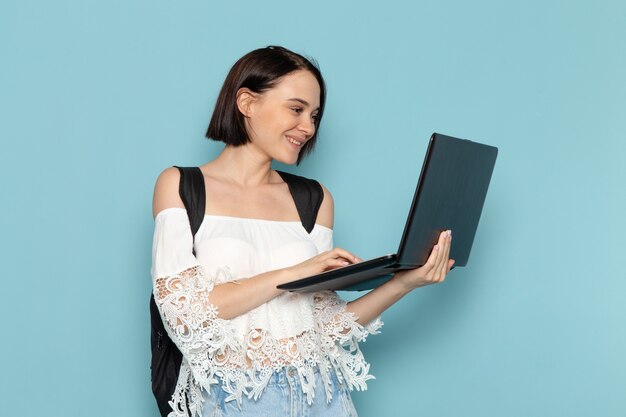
(281, 120)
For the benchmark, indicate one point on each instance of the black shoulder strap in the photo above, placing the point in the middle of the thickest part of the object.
(166, 358)
(192, 192)
(307, 194)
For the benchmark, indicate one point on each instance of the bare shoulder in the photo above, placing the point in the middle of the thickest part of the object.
(326, 215)
(166, 191)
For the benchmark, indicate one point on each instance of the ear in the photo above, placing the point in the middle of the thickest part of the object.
(245, 100)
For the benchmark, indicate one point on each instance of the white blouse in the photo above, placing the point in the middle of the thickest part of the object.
(307, 331)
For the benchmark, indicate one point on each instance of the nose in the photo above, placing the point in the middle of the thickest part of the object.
(307, 126)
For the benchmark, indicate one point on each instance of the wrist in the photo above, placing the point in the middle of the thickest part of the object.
(284, 276)
(402, 284)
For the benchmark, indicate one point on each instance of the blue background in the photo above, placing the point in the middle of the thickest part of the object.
(96, 98)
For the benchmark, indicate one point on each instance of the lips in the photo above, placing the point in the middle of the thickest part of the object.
(296, 142)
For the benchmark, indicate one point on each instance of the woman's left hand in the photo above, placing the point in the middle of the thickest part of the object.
(434, 270)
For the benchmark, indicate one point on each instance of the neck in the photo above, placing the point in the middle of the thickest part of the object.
(243, 166)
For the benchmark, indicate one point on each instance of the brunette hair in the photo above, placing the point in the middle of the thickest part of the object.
(259, 71)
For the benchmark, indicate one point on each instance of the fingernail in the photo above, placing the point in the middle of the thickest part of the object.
(346, 263)
(436, 247)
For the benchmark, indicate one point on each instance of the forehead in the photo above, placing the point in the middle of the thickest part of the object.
(299, 84)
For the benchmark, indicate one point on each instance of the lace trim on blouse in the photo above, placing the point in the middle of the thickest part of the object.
(212, 348)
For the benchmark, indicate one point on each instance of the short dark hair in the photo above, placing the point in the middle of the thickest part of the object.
(259, 71)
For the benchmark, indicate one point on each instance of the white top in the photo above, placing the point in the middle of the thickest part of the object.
(305, 330)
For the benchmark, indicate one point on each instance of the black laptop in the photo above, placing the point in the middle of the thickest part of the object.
(450, 194)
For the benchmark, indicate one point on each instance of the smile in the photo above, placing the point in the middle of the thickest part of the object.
(295, 142)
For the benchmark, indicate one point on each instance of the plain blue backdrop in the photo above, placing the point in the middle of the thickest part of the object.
(97, 97)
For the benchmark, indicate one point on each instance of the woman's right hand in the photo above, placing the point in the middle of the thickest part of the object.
(325, 261)
(435, 268)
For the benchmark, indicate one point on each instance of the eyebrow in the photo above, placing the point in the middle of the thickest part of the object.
(299, 100)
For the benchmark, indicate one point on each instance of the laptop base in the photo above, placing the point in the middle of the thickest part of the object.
(361, 277)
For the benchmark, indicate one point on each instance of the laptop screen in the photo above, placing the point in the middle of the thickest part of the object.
(450, 194)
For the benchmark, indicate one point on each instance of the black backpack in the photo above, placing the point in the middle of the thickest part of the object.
(166, 358)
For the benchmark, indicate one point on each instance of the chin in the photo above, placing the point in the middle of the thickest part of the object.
(287, 159)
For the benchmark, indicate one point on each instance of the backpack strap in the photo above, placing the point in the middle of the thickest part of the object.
(192, 192)
(166, 358)
(307, 194)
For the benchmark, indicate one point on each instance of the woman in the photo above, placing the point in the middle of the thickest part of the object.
(249, 348)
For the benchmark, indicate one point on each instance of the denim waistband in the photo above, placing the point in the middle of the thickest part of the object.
(287, 393)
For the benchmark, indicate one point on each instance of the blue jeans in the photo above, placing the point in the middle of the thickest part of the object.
(283, 397)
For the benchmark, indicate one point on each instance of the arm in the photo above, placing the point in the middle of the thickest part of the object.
(194, 310)
(374, 303)
(233, 299)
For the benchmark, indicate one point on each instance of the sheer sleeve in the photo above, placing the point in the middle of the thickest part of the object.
(182, 293)
(340, 329)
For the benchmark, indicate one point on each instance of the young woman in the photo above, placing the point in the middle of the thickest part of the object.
(248, 348)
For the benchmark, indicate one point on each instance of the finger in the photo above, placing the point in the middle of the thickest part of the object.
(450, 265)
(444, 260)
(449, 246)
(334, 264)
(442, 251)
(431, 261)
(342, 253)
(435, 275)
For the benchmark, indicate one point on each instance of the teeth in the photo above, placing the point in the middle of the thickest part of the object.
(295, 142)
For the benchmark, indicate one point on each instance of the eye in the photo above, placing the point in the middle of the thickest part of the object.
(297, 110)
(315, 117)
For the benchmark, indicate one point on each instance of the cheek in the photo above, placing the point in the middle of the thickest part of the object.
(257, 127)
(264, 121)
